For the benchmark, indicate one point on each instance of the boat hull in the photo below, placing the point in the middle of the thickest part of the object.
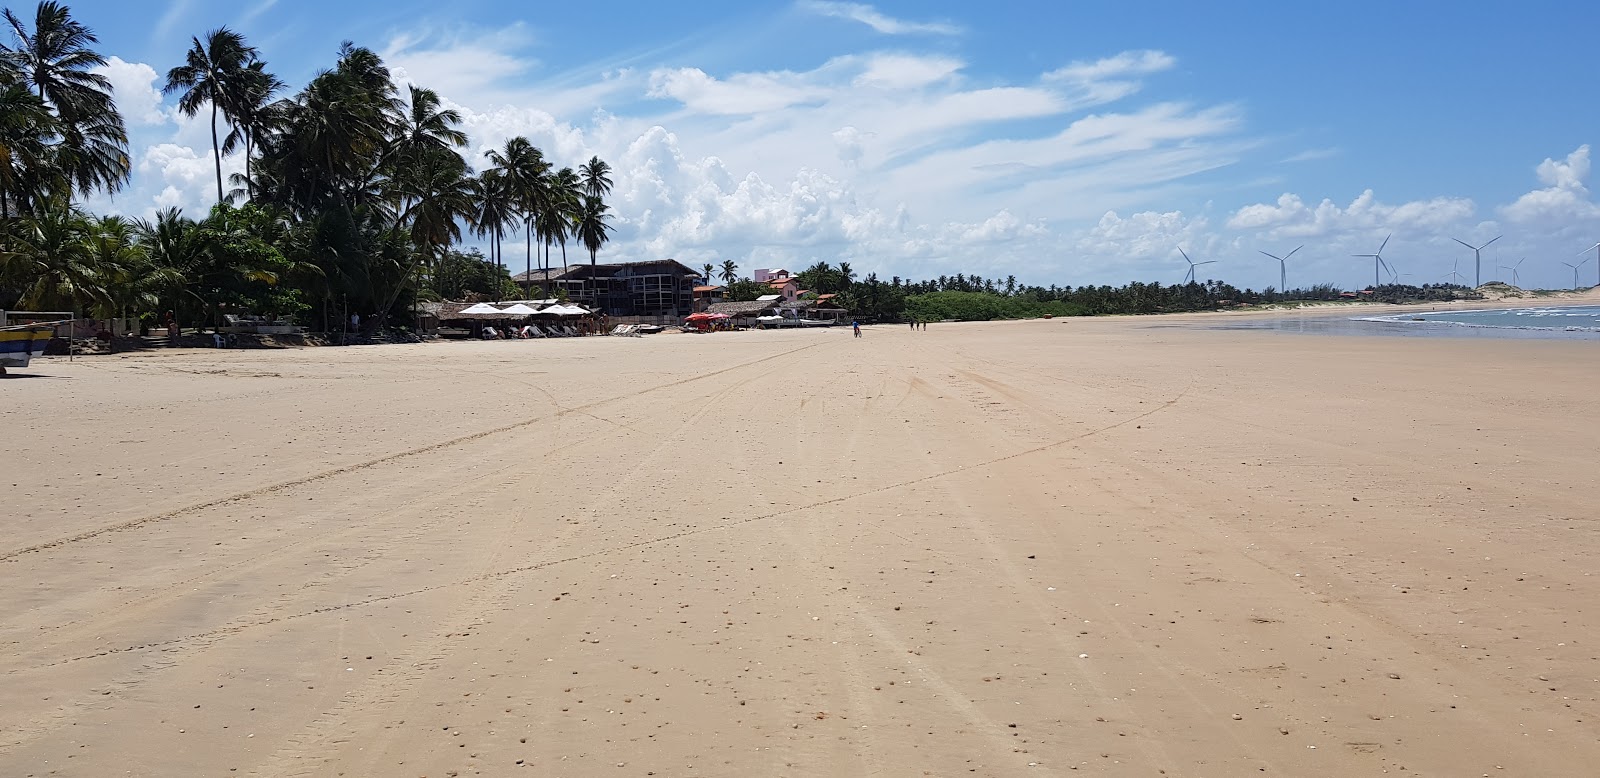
(20, 344)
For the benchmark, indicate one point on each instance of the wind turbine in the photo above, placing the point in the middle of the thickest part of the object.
(1596, 249)
(1188, 279)
(1477, 257)
(1516, 280)
(1575, 271)
(1454, 276)
(1377, 262)
(1283, 273)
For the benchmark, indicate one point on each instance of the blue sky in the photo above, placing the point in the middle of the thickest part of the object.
(1062, 142)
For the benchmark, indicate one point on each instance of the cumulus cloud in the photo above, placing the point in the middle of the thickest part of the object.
(1144, 235)
(871, 17)
(1292, 217)
(1564, 196)
(133, 87)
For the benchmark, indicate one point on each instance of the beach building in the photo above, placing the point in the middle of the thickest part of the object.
(662, 287)
(824, 307)
(744, 314)
(763, 275)
(706, 295)
(787, 288)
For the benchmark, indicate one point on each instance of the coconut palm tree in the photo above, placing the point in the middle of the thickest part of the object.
(846, 276)
(706, 271)
(730, 271)
(55, 60)
(26, 126)
(592, 228)
(596, 177)
(440, 195)
(131, 280)
(254, 113)
(494, 210)
(214, 72)
(524, 169)
(566, 208)
(425, 127)
(47, 261)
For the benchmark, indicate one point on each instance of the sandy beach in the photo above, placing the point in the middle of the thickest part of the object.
(1028, 548)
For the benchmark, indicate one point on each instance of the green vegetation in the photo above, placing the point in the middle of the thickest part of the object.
(353, 198)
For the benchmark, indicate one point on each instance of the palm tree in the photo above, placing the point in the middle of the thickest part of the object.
(254, 114)
(566, 208)
(56, 61)
(706, 271)
(494, 210)
(730, 271)
(523, 167)
(131, 280)
(47, 261)
(214, 72)
(596, 177)
(440, 193)
(593, 231)
(846, 275)
(426, 127)
(26, 126)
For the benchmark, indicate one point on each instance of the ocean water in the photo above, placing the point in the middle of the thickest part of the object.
(1575, 322)
(1576, 318)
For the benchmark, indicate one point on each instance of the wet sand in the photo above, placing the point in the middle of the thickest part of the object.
(1049, 547)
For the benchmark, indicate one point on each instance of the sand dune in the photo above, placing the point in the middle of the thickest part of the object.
(997, 549)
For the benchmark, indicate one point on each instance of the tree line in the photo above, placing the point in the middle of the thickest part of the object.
(963, 297)
(353, 194)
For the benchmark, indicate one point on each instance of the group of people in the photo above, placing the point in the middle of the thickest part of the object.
(918, 324)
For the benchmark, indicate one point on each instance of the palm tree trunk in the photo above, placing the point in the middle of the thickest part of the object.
(529, 273)
(216, 149)
(249, 151)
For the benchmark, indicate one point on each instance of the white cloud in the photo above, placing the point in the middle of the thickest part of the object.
(866, 14)
(1109, 79)
(1144, 235)
(1291, 217)
(1127, 63)
(1311, 155)
(906, 71)
(133, 87)
(1564, 196)
(742, 93)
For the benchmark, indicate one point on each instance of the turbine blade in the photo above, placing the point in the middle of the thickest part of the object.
(1486, 245)
(1207, 262)
(1290, 254)
(1274, 256)
(1470, 246)
(1185, 255)
(1385, 242)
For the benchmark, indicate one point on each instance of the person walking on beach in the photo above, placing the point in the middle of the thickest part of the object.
(856, 325)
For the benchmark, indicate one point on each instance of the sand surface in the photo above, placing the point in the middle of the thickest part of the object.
(1033, 548)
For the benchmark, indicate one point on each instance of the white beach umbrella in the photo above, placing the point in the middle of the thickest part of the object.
(520, 310)
(479, 308)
